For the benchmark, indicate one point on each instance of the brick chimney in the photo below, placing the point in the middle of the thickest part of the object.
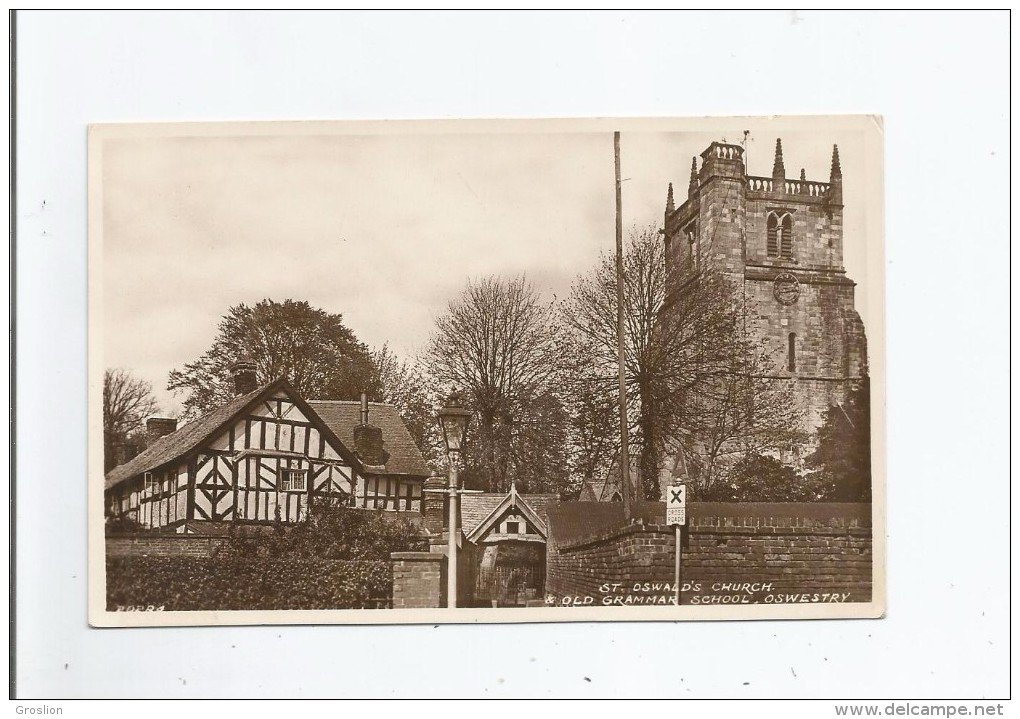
(119, 453)
(156, 427)
(368, 439)
(433, 506)
(245, 378)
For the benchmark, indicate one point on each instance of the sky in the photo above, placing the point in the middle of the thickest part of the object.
(384, 223)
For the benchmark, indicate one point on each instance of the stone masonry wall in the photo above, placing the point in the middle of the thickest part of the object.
(729, 211)
(817, 231)
(732, 554)
(418, 579)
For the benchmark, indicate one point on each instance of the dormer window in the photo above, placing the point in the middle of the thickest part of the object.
(779, 232)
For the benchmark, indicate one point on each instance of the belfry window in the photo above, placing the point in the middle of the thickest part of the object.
(779, 235)
(791, 353)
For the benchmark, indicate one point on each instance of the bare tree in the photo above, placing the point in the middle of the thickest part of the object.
(127, 401)
(590, 312)
(589, 397)
(496, 344)
(741, 412)
(696, 374)
(414, 393)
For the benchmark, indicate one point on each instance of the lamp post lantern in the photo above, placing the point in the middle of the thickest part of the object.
(453, 420)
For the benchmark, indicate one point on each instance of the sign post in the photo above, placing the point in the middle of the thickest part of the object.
(676, 514)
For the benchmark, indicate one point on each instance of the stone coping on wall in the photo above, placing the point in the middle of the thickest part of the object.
(417, 556)
(756, 518)
(856, 513)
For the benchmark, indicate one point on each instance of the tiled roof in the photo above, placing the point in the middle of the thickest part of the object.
(573, 521)
(541, 503)
(185, 439)
(343, 416)
(475, 508)
(339, 416)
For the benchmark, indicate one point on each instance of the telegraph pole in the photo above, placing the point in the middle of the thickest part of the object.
(620, 339)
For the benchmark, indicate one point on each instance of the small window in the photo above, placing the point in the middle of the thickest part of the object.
(294, 480)
(791, 353)
(691, 235)
(513, 527)
(151, 486)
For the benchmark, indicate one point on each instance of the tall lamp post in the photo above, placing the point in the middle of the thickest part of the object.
(453, 420)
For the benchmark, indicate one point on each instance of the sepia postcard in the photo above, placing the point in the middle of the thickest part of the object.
(484, 371)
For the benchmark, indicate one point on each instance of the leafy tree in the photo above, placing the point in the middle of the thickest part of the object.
(317, 353)
(759, 478)
(333, 531)
(127, 401)
(843, 454)
(496, 343)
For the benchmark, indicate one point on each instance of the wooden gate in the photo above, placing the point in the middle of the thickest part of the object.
(516, 586)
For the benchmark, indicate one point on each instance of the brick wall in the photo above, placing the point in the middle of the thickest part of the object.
(418, 579)
(733, 554)
(175, 545)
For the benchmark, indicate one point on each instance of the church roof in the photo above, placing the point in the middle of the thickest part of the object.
(604, 490)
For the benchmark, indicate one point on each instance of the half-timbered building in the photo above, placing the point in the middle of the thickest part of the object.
(266, 456)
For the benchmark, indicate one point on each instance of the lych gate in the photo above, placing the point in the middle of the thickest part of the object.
(503, 551)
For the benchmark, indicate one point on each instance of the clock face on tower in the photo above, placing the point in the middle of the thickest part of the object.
(786, 288)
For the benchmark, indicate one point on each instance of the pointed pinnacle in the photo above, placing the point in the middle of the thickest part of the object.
(836, 171)
(670, 206)
(777, 165)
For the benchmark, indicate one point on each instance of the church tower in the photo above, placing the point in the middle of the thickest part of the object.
(782, 239)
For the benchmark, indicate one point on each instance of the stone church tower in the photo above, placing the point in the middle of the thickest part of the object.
(783, 240)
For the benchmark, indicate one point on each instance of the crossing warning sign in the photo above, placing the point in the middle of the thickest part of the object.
(676, 504)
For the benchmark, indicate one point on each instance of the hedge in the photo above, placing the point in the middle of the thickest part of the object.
(233, 583)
